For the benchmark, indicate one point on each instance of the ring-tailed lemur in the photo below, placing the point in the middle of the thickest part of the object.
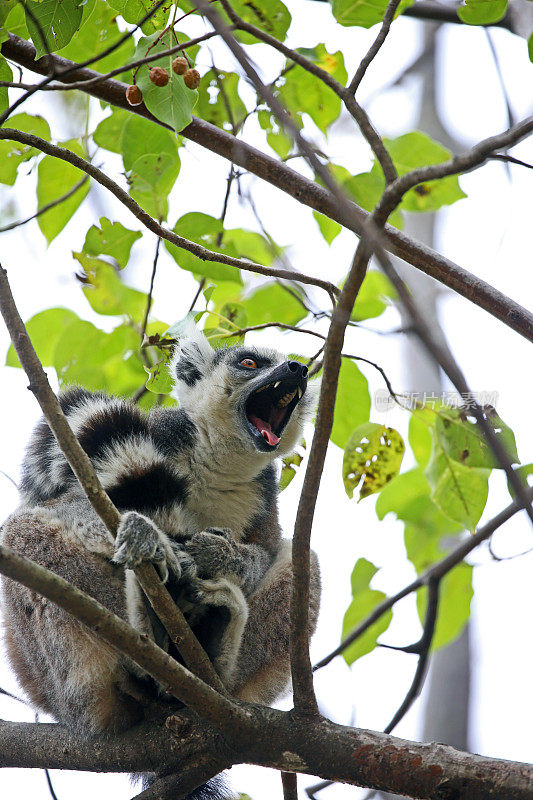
(197, 491)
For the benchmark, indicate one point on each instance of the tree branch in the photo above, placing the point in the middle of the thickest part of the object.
(149, 222)
(46, 207)
(169, 614)
(435, 572)
(279, 740)
(302, 189)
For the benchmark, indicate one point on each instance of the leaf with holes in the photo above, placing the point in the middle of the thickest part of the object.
(460, 492)
(462, 439)
(56, 22)
(372, 458)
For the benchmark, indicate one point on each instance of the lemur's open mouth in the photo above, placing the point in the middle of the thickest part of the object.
(269, 407)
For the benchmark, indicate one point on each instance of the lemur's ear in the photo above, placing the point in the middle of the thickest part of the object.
(193, 355)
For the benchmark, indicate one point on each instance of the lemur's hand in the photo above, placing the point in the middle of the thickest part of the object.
(216, 554)
(139, 539)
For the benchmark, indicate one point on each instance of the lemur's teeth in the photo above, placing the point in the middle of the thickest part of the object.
(277, 384)
(300, 393)
(262, 388)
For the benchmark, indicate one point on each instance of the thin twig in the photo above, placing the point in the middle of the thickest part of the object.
(46, 207)
(436, 571)
(198, 250)
(149, 298)
(290, 785)
(375, 47)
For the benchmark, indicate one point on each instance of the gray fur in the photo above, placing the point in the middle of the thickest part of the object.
(197, 493)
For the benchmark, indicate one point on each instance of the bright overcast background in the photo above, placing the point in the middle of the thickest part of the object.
(489, 233)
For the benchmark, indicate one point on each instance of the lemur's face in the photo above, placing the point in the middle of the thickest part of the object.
(253, 399)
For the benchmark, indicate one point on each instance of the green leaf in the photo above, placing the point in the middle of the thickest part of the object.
(371, 300)
(111, 239)
(414, 150)
(272, 303)
(134, 10)
(302, 92)
(328, 227)
(455, 595)
(44, 330)
(174, 102)
(276, 138)
(232, 317)
(272, 16)
(460, 492)
(364, 601)
(352, 406)
(523, 472)
(252, 245)
(363, 13)
(420, 435)
(160, 381)
(97, 32)
(12, 153)
(401, 493)
(290, 464)
(366, 189)
(219, 102)
(408, 152)
(57, 21)
(462, 439)
(530, 47)
(5, 75)
(151, 155)
(373, 455)
(208, 232)
(78, 355)
(54, 179)
(15, 20)
(141, 137)
(482, 12)
(110, 131)
(151, 178)
(105, 291)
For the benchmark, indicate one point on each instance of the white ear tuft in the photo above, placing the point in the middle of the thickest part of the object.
(192, 355)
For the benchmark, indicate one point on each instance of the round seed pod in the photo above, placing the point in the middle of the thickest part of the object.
(192, 79)
(134, 96)
(159, 76)
(180, 65)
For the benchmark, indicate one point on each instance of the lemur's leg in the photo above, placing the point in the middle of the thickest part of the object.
(263, 669)
(63, 667)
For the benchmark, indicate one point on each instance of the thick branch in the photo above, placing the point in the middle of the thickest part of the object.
(278, 739)
(302, 189)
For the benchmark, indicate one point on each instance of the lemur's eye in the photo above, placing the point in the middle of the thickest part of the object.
(248, 362)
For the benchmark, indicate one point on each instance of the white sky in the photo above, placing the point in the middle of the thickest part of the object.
(488, 233)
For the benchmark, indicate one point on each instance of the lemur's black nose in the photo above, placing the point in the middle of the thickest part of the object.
(298, 369)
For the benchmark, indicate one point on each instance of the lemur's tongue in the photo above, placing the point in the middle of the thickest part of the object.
(264, 429)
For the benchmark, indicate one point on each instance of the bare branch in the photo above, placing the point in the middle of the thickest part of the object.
(290, 785)
(435, 572)
(302, 189)
(375, 47)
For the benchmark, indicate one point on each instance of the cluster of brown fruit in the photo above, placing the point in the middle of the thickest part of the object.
(159, 77)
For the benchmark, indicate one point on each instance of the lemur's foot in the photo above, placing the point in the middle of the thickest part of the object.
(139, 539)
(215, 553)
